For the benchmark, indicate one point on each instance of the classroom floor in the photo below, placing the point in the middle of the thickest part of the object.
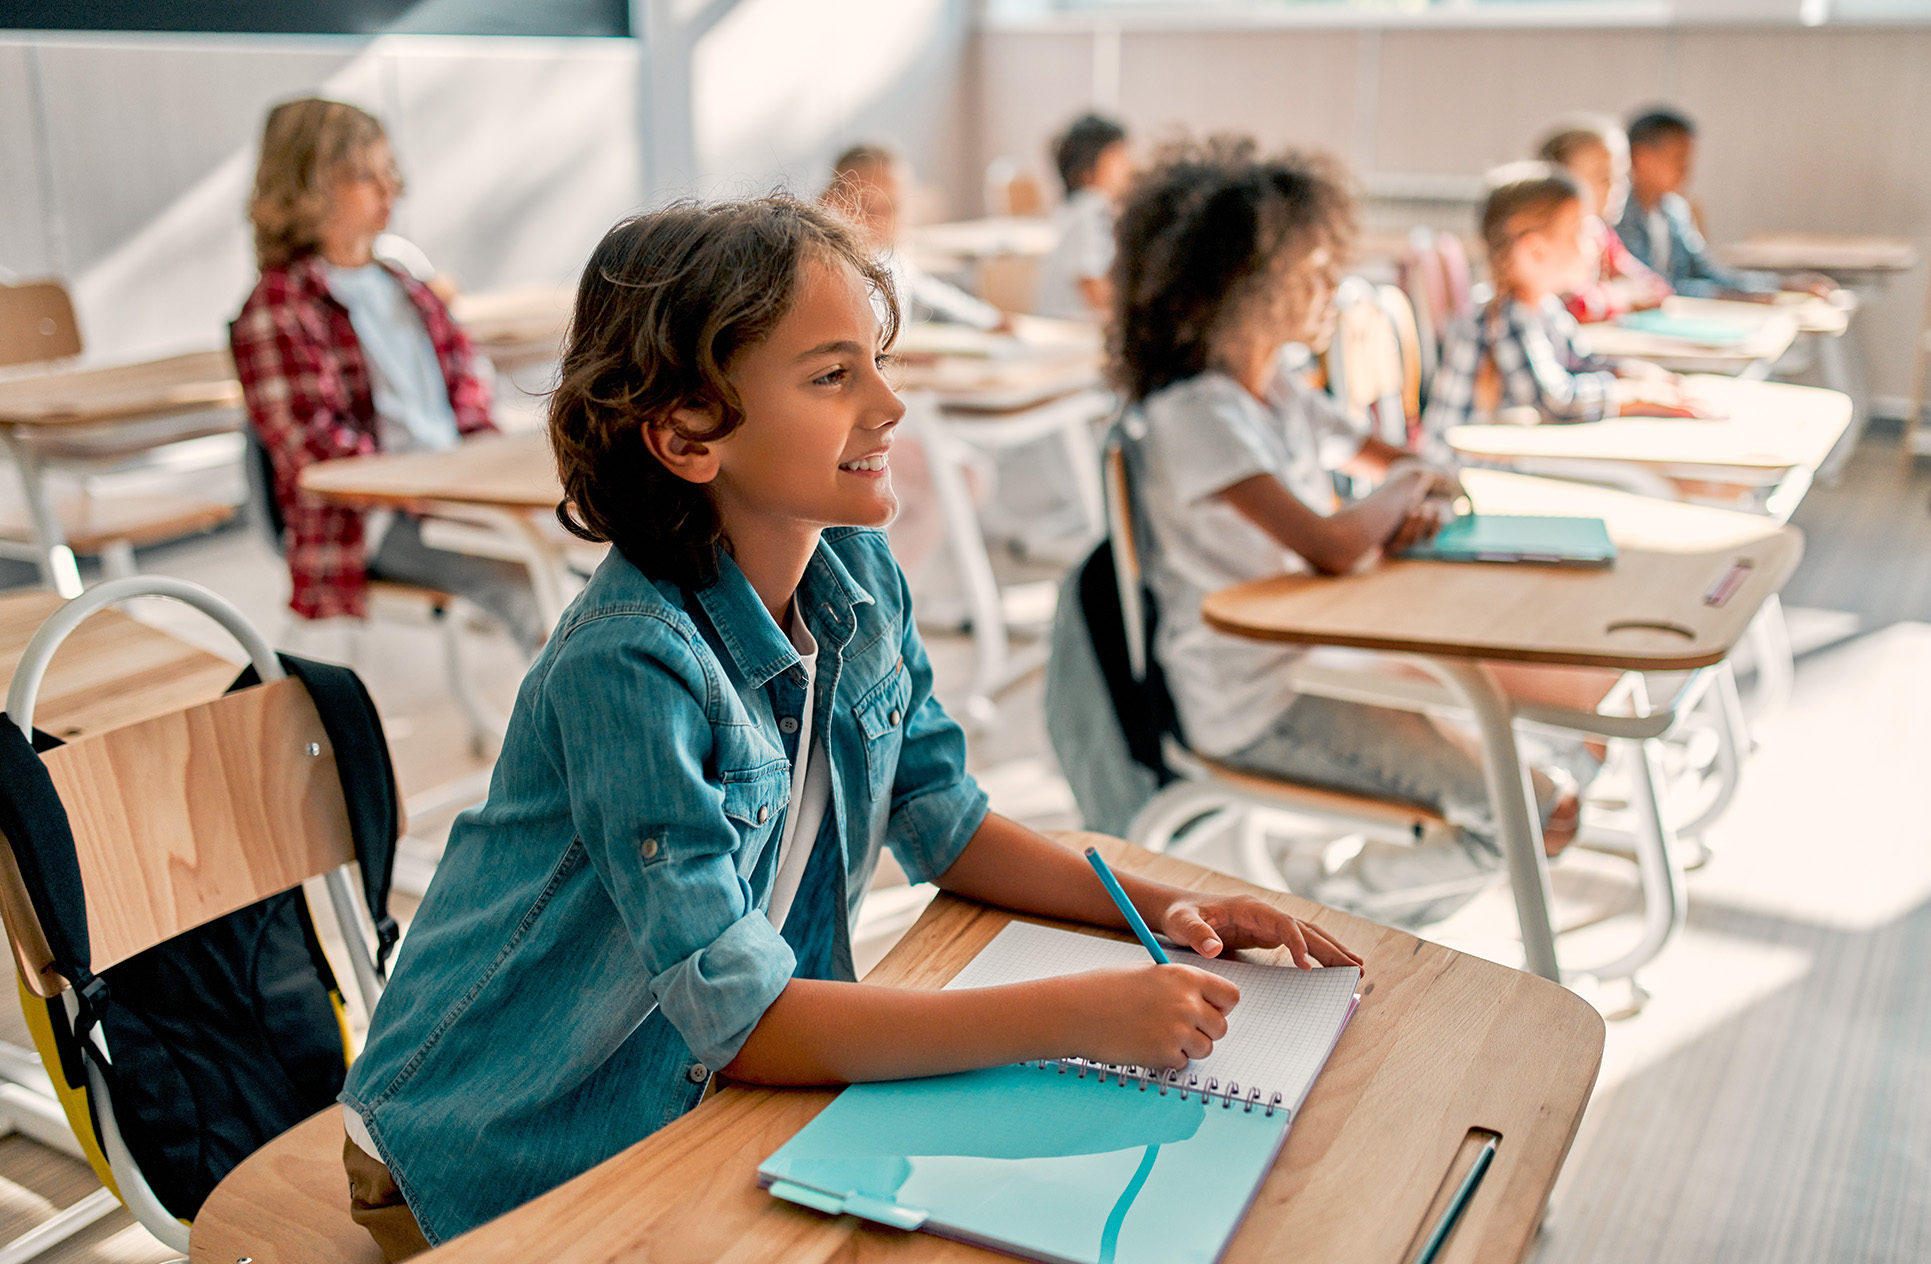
(1772, 1100)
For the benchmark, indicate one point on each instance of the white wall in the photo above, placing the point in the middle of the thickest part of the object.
(1826, 129)
(125, 161)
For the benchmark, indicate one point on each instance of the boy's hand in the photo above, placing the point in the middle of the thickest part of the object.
(1211, 924)
(1428, 518)
(1150, 1016)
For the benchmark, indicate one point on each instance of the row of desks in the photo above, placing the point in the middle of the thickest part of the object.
(1443, 1043)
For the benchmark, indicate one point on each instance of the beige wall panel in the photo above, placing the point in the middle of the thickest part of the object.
(23, 212)
(1283, 87)
(1463, 101)
(1025, 87)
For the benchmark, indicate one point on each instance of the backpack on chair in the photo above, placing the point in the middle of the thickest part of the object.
(180, 1060)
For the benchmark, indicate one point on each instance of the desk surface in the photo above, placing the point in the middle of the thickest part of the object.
(982, 238)
(1441, 1043)
(1821, 252)
(1652, 611)
(971, 370)
(1772, 427)
(517, 327)
(196, 382)
(112, 671)
(503, 471)
(1772, 330)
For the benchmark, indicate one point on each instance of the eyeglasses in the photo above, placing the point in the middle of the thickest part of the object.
(389, 176)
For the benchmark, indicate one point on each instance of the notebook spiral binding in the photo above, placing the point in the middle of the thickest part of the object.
(1166, 1082)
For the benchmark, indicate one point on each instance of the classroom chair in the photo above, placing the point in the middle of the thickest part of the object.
(445, 610)
(148, 852)
(1194, 787)
(1010, 191)
(1920, 377)
(1374, 362)
(39, 329)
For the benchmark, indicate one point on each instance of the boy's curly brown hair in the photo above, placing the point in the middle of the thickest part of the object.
(1208, 229)
(667, 304)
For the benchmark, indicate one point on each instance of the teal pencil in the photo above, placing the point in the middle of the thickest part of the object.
(1131, 914)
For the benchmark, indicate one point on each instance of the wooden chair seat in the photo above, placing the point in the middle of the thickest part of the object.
(400, 591)
(92, 523)
(1326, 801)
(287, 1203)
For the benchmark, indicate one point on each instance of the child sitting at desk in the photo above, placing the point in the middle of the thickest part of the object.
(1658, 228)
(1095, 166)
(340, 354)
(1598, 158)
(1519, 357)
(868, 187)
(1226, 259)
(704, 761)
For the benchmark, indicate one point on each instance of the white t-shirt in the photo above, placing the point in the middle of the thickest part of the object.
(1202, 436)
(1084, 252)
(810, 787)
(411, 398)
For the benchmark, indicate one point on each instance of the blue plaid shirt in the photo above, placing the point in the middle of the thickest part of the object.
(1688, 268)
(1511, 355)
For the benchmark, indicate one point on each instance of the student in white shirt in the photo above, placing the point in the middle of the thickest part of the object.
(1226, 261)
(1096, 167)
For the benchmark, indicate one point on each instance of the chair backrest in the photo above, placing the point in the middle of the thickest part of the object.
(186, 817)
(259, 471)
(1009, 282)
(1128, 574)
(1367, 368)
(1401, 315)
(1009, 190)
(37, 323)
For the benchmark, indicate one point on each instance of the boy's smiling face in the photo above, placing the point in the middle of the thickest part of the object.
(818, 419)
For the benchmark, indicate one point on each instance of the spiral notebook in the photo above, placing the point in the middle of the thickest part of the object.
(1074, 1161)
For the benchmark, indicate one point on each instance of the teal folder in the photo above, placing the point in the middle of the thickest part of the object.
(1697, 329)
(1520, 538)
(1071, 1161)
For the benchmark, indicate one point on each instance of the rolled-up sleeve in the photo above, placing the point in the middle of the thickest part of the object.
(637, 747)
(936, 805)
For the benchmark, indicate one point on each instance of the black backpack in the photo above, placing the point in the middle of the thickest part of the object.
(229, 1034)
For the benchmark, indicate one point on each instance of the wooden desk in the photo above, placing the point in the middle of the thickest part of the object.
(1772, 430)
(112, 671)
(517, 328)
(1835, 254)
(946, 247)
(109, 413)
(503, 483)
(1772, 330)
(1683, 591)
(1441, 1043)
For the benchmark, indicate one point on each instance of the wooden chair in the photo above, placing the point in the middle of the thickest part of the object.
(177, 820)
(1920, 374)
(38, 327)
(1374, 363)
(1011, 191)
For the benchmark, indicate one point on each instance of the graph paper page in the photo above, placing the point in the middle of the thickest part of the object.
(1278, 1037)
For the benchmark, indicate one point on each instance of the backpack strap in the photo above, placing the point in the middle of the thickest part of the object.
(368, 780)
(35, 823)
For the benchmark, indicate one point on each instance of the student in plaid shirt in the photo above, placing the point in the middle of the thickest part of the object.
(1519, 358)
(341, 355)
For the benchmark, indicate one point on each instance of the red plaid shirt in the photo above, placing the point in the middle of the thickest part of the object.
(309, 397)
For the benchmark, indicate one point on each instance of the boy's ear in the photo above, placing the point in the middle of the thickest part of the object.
(668, 439)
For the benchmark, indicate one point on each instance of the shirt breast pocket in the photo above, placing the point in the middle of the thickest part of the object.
(881, 720)
(754, 801)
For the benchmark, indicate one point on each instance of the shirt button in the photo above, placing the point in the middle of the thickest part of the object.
(698, 1073)
(649, 849)
(893, 717)
(788, 725)
(764, 814)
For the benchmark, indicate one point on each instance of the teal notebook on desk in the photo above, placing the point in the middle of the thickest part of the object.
(1520, 538)
(1697, 329)
(1072, 1161)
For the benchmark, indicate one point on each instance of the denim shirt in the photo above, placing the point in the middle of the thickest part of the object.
(594, 944)
(1690, 268)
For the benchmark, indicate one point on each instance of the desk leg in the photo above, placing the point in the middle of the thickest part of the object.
(549, 572)
(1835, 361)
(989, 643)
(58, 569)
(1511, 795)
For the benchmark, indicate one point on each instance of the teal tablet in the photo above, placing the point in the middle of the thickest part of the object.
(1520, 538)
